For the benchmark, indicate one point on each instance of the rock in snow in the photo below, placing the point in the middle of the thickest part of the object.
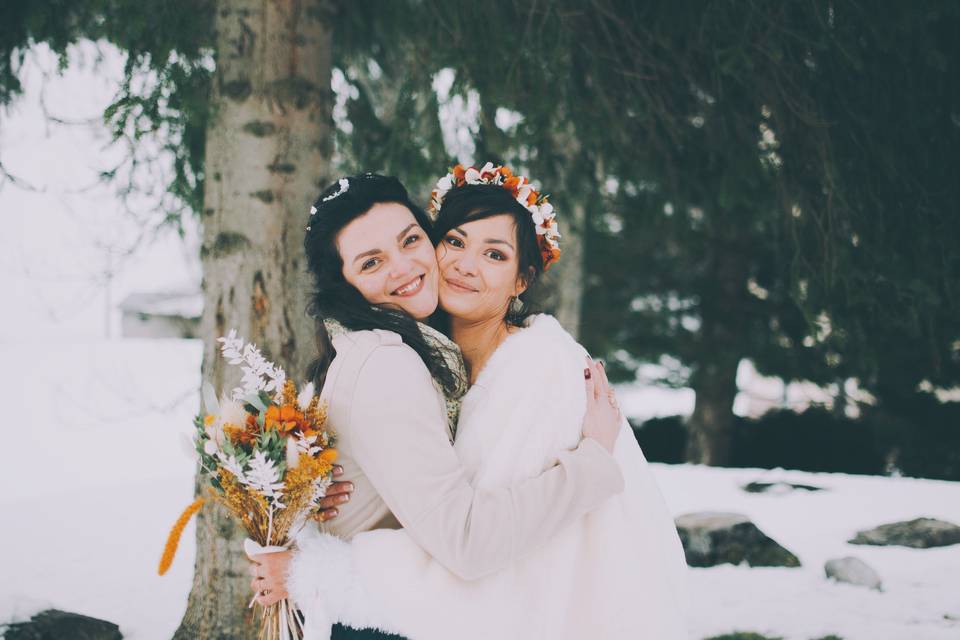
(54, 624)
(711, 538)
(921, 533)
(777, 487)
(853, 571)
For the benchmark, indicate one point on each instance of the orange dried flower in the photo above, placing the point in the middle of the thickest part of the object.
(284, 419)
(246, 435)
(272, 417)
(289, 392)
(173, 540)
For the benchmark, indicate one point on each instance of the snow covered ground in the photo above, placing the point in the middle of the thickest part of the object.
(94, 474)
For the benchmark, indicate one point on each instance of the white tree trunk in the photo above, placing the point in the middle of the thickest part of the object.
(267, 154)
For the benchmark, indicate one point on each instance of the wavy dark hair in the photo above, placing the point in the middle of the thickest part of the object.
(334, 297)
(477, 202)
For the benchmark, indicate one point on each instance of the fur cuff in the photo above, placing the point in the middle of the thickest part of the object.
(324, 583)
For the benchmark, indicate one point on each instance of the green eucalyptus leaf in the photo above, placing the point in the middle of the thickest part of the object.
(255, 400)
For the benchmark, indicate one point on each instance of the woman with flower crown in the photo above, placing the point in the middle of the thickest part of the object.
(616, 572)
(393, 387)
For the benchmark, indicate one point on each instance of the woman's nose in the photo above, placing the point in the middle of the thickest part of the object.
(466, 264)
(400, 266)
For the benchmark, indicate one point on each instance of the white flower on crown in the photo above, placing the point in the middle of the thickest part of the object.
(491, 171)
(472, 176)
(444, 184)
(544, 219)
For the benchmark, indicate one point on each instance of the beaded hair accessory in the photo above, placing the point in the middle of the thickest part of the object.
(544, 217)
(342, 186)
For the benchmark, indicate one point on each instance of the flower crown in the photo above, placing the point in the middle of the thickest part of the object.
(544, 217)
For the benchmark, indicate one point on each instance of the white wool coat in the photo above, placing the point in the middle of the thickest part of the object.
(617, 572)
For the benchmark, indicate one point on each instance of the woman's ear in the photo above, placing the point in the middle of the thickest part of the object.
(523, 281)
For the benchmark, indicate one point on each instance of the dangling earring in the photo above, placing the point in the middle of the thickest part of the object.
(516, 305)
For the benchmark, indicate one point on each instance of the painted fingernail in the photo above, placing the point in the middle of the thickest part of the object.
(334, 513)
(344, 498)
(586, 373)
(350, 486)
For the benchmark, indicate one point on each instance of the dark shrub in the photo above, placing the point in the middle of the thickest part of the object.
(662, 439)
(814, 440)
(919, 438)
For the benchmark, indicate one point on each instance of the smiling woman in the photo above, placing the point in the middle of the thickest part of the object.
(484, 252)
(489, 257)
(366, 242)
(479, 268)
(390, 267)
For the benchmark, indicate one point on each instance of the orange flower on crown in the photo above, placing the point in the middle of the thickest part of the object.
(544, 217)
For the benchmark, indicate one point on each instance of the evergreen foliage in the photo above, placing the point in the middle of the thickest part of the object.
(765, 180)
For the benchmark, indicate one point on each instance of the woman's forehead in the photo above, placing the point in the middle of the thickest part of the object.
(382, 226)
(502, 224)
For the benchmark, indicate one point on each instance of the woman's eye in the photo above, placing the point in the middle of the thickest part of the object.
(369, 264)
(496, 255)
(409, 240)
(454, 241)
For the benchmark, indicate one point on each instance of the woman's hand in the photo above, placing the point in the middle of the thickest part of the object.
(603, 417)
(337, 493)
(269, 572)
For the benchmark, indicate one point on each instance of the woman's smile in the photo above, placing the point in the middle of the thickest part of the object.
(411, 288)
(459, 285)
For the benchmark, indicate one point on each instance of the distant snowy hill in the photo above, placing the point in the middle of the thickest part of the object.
(94, 473)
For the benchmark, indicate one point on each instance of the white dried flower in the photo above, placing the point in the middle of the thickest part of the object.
(258, 373)
(232, 412)
(305, 396)
(293, 454)
(320, 487)
(263, 475)
(231, 464)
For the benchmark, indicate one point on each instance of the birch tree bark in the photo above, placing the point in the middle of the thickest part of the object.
(564, 283)
(566, 279)
(268, 145)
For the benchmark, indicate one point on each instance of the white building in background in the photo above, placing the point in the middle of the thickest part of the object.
(162, 314)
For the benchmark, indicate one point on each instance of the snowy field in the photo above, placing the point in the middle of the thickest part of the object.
(95, 473)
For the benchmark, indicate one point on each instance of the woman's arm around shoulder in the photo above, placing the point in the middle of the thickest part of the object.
(401, 440)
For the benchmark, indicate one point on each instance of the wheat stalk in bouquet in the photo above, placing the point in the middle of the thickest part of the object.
(269, 457)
